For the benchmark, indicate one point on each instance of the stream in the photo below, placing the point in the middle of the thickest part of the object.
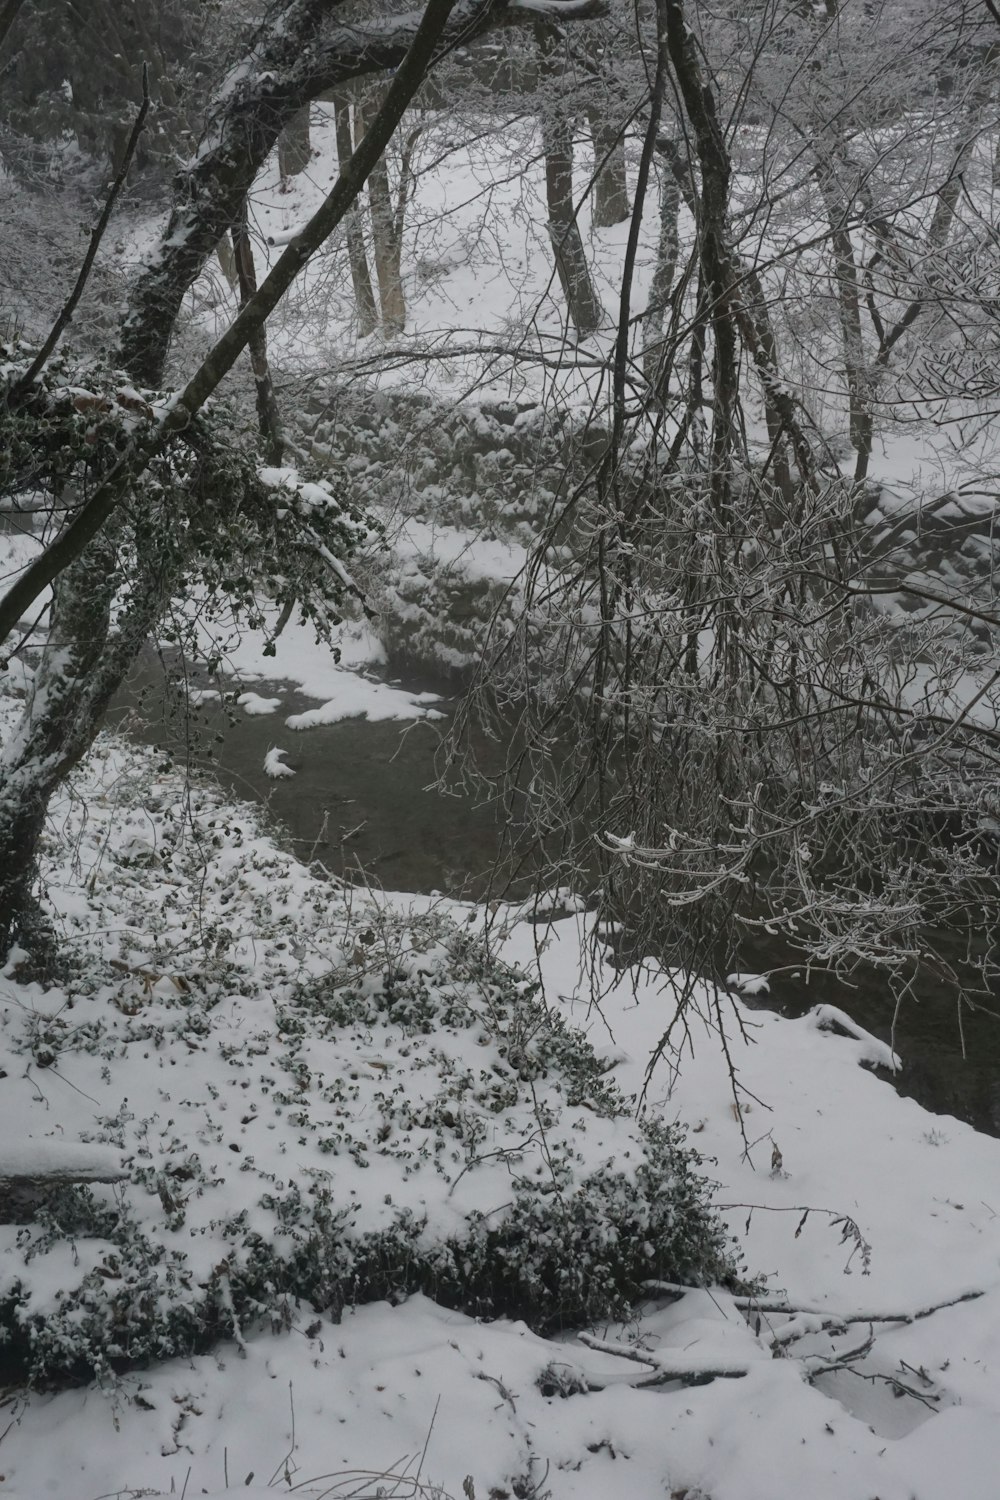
(363, 803)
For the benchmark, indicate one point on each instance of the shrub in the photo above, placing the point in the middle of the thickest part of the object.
(437, 1128)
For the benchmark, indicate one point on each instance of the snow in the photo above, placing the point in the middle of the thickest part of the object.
(346, 689)
(29, 1157)
(273, 766)
(746, 984)
(361, 697)
(473, 557)
(254, 704)
(879, 1210)
(876, 1054)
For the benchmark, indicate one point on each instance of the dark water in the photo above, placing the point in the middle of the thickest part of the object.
(364, 804)
(363, 800)
(950, 1052)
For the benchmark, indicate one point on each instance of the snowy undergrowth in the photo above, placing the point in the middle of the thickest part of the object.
(314, 1098)
(416, 1400)
(210, 985)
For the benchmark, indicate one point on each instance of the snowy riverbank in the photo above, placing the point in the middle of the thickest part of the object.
(196, 928)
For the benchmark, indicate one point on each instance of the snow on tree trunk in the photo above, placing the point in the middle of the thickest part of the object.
(364, 294)
(662, 282)
(386, 230)
(81, 667)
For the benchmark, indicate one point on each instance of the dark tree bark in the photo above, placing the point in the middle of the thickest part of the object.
(747, 306)
(718, 291)
(582, 302)
(838, 205)
(654, 364)
(295, 145)
(268, 415)
(364, 295)
(611, 205)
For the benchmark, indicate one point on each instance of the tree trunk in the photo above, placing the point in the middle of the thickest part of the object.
(58, 725)
(611, 205)
(859, 385)
(22, 824)
(295, 145)
(364, 295)
(386, 231)
(582, 302)
(227, 260)
(84, 662)
(654, 363)
(718, 285)
(268, 415)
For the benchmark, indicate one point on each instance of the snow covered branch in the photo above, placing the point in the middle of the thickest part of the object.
(29, 1168)
(661, 1368)
(827, 1319)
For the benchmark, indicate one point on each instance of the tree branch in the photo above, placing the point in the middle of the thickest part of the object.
(662, 1369)
(287, 68)
(221, 358)
(781, 1305)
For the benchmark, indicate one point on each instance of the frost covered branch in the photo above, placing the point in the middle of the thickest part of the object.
(661, 1369)
(827, 1319)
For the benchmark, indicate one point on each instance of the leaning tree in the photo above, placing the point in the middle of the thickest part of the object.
(146, 491)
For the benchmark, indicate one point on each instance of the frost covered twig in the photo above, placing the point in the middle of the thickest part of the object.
(850, 1229)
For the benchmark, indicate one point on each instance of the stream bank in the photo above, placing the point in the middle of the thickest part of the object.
(363, 803)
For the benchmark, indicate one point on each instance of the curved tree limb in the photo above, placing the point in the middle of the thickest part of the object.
(661, 1369)
(291, 64)
(251, 318)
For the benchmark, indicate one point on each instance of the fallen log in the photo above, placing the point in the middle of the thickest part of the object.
(31, 1169)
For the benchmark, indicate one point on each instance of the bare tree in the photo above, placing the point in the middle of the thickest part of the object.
(364, 294)
(741, 737)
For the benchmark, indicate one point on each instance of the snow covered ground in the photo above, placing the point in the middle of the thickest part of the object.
(859, 1209)
(853, 1203)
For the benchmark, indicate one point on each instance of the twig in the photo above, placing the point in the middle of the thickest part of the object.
(69, 307)
(427, 1439)
(282, 1468)
(822, 1364)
